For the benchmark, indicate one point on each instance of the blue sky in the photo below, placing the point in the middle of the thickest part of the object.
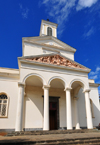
(78, 25)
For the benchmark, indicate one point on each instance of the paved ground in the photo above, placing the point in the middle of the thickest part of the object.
(39, 138)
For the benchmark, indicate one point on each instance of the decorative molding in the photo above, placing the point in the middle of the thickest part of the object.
(69, 89)
(87, 90)
(56, 60)
(28, 67)
(21, 84)
(50, 49)
(46, 86)
(94, 85)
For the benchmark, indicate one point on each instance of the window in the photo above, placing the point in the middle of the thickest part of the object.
(49, 31)
(3, 105)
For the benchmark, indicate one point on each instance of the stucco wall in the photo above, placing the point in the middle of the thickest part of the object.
(81, 108)
(11, 89)
(94, 95)
(31, 49)
(33, 107)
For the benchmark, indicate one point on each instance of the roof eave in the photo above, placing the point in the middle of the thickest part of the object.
(55, 53)
(48, 46)
(94, 84)
(50, 37)
(55, 66)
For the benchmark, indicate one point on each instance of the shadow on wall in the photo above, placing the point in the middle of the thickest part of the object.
(82, 111)
(33, 107)
(96, 119)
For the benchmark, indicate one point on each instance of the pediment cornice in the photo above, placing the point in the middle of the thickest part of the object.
(35, 40)
(55, 60)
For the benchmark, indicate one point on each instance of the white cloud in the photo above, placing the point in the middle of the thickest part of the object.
(59, 10)
(89, 32)
(24, 11)
(85, 3)
(98, 69)
(94, 77)
(45, 1)
(95, 74)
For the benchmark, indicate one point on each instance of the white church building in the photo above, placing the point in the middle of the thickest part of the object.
(49, 91)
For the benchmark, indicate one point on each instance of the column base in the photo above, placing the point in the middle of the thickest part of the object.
(77, 128)
(69, 128)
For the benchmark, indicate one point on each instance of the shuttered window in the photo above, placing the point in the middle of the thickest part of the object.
(49, 31)
(3, 105)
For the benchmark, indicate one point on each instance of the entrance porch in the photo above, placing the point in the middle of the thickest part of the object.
(52, 106)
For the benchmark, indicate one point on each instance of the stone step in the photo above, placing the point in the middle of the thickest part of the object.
(59, 137)
(51, 132)
(72, 142)
(80, 141)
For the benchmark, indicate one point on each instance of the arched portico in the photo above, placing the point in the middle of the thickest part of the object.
(80, 82)
(57, 84)
(60, 79)
(76, 85)
(41, 78)
(33, 82)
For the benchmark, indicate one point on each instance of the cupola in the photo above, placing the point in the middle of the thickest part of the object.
(48, 28)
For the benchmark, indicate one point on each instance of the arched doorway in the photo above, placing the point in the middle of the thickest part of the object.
(56, 96)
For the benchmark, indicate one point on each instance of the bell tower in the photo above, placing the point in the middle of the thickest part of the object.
(48, 28)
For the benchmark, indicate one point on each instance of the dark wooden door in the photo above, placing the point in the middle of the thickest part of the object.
(53, 115)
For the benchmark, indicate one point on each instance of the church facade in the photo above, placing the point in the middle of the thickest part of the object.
(50, 90)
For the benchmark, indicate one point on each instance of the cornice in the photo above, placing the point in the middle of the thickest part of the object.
(9, 75)
(39, 38)
(94, 85)
(48, 22)
(23, 59)
(50, 49)
(55, 66)
(49, 46)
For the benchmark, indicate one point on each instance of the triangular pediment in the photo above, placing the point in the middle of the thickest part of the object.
(49, 41)
(55, 59)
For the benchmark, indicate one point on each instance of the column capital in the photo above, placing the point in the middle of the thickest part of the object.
(67, 89)
(86, 90)
(46, 86)
(20, 84)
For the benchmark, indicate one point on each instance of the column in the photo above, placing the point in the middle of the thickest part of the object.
(46, 108)
(19, 117)
(88, 110)
(76, 113)
(68, 109)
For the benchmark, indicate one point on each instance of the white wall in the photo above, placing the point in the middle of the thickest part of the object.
(31, 49)
(11, 89)
(94, 95)
(81, 109)
(48, 72)
(33, 108)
